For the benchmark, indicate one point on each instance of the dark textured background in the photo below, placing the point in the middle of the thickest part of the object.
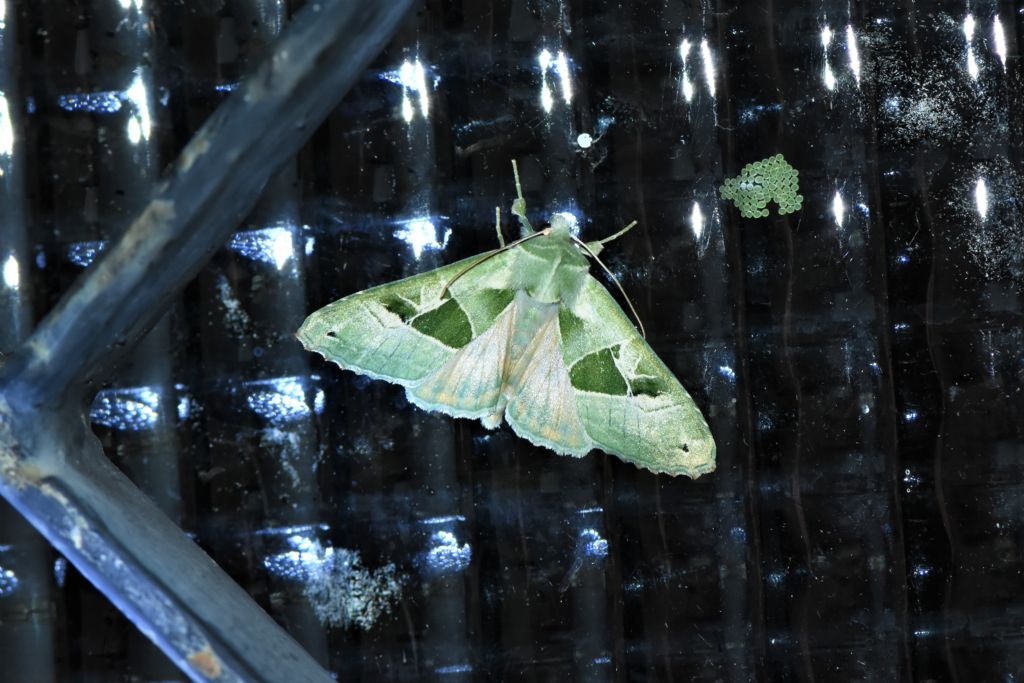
(861, 368)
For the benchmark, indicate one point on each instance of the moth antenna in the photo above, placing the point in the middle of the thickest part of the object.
(617, 235)
(497, 226)
(618, 284)
(519, 205)
(488, 255)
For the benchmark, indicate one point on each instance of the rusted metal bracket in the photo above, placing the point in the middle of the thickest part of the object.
(53, 468)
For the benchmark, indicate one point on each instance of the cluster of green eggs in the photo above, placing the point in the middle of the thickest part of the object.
(761, 182)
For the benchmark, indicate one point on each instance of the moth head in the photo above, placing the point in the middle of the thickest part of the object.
(563, 225)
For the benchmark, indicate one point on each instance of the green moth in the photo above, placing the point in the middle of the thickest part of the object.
(523, 333)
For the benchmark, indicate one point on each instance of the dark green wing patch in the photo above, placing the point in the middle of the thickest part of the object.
(399, 306)
(447, 323)
(597, 372)
(492, 302)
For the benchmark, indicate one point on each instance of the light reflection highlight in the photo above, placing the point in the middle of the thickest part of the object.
(131, 409)
(421, 235)
(697, 220)
(273, 246)
(853, 52)
(454, 669)
(999, 40)
(569, 219)
(84, 253)
(592, 544)
(60, 568)
(12, 273)
(140, 124)
(101, 102)
(838, 209)
(981, 198)
(684, 52)
(709, 65)
(827, 76)
(446, 556)
(6, 128)
(972, 63)
(279, 400)
(560, 65)
(8, 582)
(341, 590)
(412, 76)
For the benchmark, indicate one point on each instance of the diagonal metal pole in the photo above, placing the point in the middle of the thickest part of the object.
(53, 469)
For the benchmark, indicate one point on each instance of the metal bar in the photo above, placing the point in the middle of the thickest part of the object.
(53, 469)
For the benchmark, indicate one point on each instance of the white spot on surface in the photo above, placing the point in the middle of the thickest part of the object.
(584, 140)
(139, 125)
(12, 273)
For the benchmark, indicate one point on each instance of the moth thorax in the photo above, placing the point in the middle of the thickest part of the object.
(561, 226)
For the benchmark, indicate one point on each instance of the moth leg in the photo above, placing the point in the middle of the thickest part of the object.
(497, 226)
(519, 204)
